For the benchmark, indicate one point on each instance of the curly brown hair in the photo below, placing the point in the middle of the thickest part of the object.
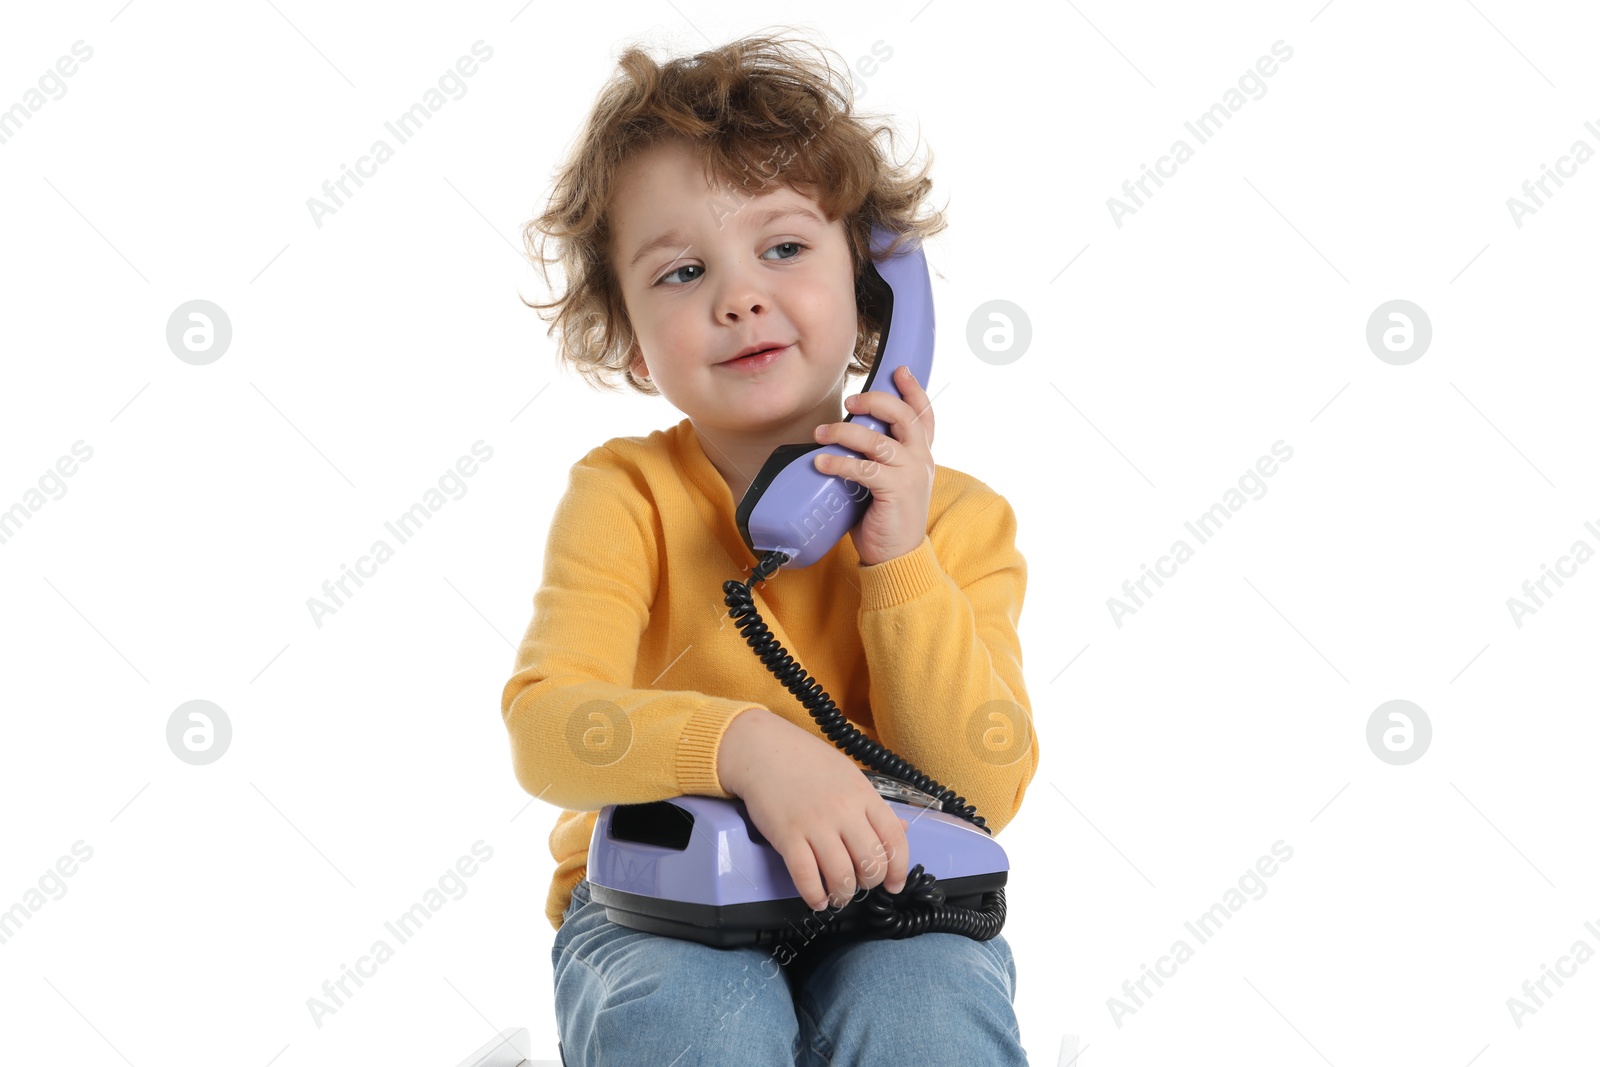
(755, 112)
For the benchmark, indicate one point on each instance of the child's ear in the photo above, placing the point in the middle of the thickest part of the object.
(638, 365)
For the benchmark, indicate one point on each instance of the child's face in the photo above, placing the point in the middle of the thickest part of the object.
(729, 279)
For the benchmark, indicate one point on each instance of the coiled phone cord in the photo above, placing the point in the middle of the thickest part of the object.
(920, 906)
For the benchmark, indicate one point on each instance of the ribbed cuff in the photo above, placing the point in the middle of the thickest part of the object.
(900, 580)
(697, 749)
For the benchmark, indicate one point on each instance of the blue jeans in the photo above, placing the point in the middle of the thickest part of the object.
(626, 998)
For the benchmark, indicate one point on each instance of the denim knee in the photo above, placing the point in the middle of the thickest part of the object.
(628, 997)
(714, 1013)
(961, 1010)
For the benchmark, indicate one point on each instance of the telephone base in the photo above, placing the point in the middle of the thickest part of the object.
(697, 868)
(762, 922)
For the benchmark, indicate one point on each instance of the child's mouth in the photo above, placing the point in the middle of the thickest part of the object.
(756, 361)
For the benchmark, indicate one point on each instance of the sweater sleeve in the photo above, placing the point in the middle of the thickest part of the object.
(582, 736)
(939, 625)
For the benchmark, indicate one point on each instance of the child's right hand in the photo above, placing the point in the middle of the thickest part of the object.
(812, 803)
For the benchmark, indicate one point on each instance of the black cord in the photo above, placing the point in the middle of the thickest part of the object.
(741, 607)
(890, 914)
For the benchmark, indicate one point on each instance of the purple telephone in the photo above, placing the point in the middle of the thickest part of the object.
(696, 867)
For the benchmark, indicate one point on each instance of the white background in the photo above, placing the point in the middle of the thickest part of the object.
(1167, 356)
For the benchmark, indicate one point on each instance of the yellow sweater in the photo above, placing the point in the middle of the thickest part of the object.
(631, 670)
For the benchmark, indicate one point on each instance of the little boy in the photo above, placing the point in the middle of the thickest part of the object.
(712, 223)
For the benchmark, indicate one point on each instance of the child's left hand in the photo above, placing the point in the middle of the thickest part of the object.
(899, 473)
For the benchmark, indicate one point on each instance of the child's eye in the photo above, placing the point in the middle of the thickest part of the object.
(680, 270)
(796, 245)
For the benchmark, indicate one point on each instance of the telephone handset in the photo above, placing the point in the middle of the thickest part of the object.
(696, 867)
(792, 507)
(792, 515)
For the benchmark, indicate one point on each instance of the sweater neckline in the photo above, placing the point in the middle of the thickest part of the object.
(698, 466)
(701, 469)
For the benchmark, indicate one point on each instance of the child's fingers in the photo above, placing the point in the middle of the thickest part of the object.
(917, 397)
(904, 380)
(900, 414)
(893, 838)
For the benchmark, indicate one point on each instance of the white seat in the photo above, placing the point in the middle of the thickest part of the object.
(508, 1049)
